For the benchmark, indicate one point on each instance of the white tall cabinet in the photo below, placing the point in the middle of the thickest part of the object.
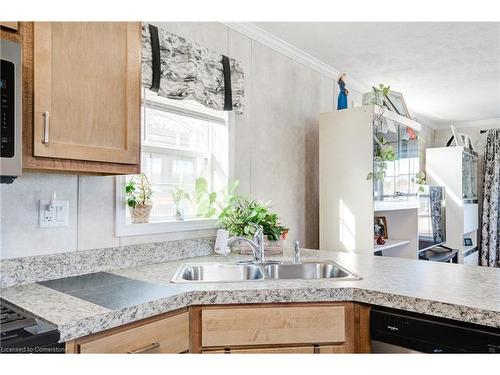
(455, 168)
(347, 206)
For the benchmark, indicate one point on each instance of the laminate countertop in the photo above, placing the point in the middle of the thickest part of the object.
(454, 291)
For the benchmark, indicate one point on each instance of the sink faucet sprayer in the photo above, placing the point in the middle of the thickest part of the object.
(296, 252)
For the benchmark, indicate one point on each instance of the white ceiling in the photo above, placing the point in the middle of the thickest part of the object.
(448, 72)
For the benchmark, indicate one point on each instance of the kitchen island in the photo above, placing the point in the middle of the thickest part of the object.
(458, 292)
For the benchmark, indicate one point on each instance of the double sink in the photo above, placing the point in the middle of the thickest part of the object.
(217, 272)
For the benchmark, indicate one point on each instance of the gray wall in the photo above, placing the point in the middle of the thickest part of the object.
(276, 157)
(426, 140)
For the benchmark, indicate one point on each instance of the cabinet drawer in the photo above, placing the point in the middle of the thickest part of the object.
(168, 335)
(272, 325)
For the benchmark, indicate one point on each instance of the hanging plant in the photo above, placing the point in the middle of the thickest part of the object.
(376, 96)
(383, 152)
(421, 180)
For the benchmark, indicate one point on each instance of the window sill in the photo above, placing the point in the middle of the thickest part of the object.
(157, 227)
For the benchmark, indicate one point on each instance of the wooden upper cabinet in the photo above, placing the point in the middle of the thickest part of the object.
(87, 90)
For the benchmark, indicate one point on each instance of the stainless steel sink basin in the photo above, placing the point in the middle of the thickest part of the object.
(313, 270)
(217, 273)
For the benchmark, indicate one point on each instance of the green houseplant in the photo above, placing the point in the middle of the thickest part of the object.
(384, 152)
(209, 203)
(421, 180)
(376, 96)
(138, 195)
(241, 212)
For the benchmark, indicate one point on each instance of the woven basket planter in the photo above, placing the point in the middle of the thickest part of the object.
(270, 247)
(140, 214)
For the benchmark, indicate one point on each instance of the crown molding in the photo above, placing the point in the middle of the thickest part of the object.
(269, 40)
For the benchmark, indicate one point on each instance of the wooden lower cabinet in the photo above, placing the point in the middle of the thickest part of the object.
(164, 334)
(307, 328)
(11, 25)
(272, 325)
(280, 328)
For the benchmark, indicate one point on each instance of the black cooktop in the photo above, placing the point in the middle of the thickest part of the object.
(22, 333)
(109, 290)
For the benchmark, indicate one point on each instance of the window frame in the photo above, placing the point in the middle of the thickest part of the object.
(124, 228)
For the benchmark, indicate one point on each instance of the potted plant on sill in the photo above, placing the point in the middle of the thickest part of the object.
(138, 194)
(178, 195)
(239, 215)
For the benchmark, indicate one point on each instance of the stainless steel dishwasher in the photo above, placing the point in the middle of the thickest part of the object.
(396, 331)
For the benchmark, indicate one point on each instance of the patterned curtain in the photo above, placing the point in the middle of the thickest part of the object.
(190, 71)
(490, 234)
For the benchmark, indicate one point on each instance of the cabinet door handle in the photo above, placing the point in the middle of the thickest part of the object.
(145, 348)
(46, 121)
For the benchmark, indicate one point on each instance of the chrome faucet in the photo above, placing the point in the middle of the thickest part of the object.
(257, 243)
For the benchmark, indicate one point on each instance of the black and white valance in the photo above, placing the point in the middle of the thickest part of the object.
(180, 69)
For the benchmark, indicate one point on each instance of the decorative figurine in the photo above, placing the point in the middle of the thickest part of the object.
(380, 240)
(342, 101)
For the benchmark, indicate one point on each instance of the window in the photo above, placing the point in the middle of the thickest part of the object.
(399, 181)
(181, 141)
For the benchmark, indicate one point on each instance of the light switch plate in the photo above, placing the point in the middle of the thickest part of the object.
(55, 217)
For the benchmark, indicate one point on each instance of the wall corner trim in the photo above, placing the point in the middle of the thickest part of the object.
(269, 40)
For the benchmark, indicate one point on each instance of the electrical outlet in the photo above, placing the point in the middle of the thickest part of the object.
(55, 216)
